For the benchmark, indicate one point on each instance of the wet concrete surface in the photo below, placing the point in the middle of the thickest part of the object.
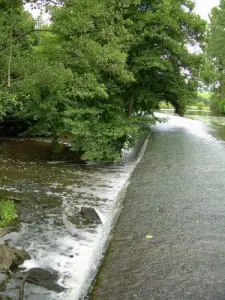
(169, 242)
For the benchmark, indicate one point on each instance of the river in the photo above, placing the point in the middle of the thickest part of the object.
(52, 192)
(51, 227)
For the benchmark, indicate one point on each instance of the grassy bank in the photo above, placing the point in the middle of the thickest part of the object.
(201, 103)
(199, 106)
(219, 121)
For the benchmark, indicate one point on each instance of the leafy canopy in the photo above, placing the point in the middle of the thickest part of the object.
(99, 69)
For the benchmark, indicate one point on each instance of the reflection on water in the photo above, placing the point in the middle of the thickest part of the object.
(36, 150)
(52, 230)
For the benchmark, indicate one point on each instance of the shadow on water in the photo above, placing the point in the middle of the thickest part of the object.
(36, 150)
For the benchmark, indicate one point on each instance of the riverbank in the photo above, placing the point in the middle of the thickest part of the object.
(215, 120)
(169, 240)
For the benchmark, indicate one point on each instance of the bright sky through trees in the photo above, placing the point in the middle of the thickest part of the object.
(203, 7)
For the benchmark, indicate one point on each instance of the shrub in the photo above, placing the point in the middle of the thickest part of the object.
(217, 105)
(7, 212)
(201, 106)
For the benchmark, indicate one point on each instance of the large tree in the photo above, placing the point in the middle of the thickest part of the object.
(84, 95)
(214, 67)
(159, 58)
(15, 42)
(100, 65)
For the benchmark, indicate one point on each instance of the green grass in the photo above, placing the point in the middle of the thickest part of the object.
(196, 107)
(219, 121)
(165, 105)
(205, 94)
(7, 212)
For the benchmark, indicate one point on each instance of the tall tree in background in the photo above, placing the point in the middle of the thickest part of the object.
(214, 68)
(15, 43)
(163, 67)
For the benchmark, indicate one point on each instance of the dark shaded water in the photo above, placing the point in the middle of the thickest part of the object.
(36, 150)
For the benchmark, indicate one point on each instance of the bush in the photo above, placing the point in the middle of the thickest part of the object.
(165, 105)
(217, 106)
(7, 212)
(200, 106)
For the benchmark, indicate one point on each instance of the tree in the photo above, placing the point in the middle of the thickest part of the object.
(87, 104)
(98, 70)
(15, 43)
(163, 67)
(214, 67)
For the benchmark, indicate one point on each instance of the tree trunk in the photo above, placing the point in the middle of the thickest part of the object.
(10, 57)
(130, 107)
(221, 81)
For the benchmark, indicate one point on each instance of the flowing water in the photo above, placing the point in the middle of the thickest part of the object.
(51, 227)
(175, 248)
(216, 124)
(51, 193)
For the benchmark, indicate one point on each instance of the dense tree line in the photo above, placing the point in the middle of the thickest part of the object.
(213, 71)
(98, 68)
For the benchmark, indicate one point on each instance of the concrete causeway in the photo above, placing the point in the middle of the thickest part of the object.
(169, 242)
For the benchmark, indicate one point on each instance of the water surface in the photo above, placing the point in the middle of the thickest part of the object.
(52, 229)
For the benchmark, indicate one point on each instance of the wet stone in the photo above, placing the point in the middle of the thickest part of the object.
(11, 257)
(6, 230)
(5, 259)
(42, 278)
(89, 213)
(3, 281)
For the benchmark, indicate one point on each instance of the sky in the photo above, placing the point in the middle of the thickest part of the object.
(203, 7)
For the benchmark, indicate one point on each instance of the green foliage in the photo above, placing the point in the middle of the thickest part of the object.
(7, 212)
(201, 101)
(8, 102)
(213, 71)
(165, 105)
(204, 95)
(200, 105)
(217, 105)
(15, 44)
(97, 68)
(163, 67)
